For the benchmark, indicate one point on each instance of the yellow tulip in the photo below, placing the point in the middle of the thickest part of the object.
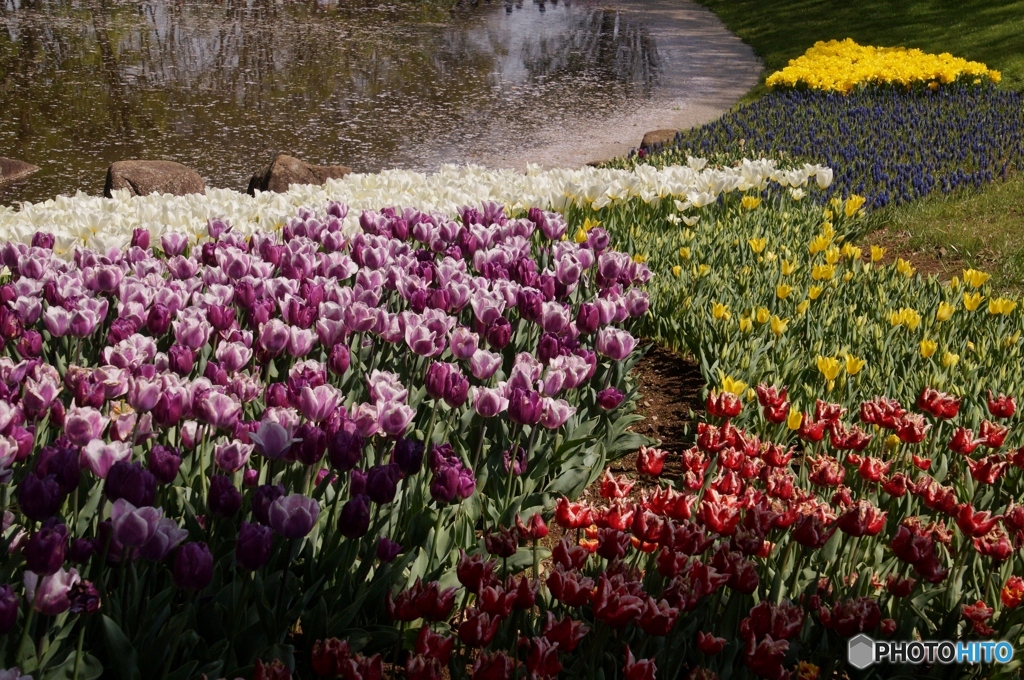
(928, 348)
(1001, 306)
(639, 259)
(783, 291)
(905, 317)
(851, 251)
(684, 253)
(733, 386)
(819, 243)
(829, 367)
(802, 307)
(788, 267)
(954, 283)
(589, 224)
(1012, 340)
(703, 269)
(822, 272)
(757, 244)
(762, 315)
(580, 236)
(972, 301)
(950, 359)
(746, 325)
(750, 202)
(779, 325)
(853, 364)
(853, 204)
(795, 419)
(826, 227)
(945, 311)
(904, 267)
(974, 278)
(892, 442)
(877, 253)
(677, 271)
(847, 277)
(832, 255)
(720, 311)
(814, 292)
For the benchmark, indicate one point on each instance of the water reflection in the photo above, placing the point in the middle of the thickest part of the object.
(221, 85)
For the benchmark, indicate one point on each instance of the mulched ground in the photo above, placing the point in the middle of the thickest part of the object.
(670, 386)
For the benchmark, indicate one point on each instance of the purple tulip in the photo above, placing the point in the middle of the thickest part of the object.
(164, 463)
(382, 483)
(158, 319)
(49, 594)
(193, 566)
(386, 386)
(345, 450)
(100, 456)
(82, 425)
(29, 345)
(588, 319)
(293, 516)
(387, 550)
(463, 343)
(615, 344)
(444, 485)
(166, 537)
(9, 605)
(339, 360)
(274, 336)
(272, 440)
(310, 444)
(436, 377)
(233, 356)
(253, 547)
(357, 483)
(300, 341)
(262, 499)
(81, 550)
(548, 347)
(484, 364)
(57, 321)
(555, 412)
(180, 359)
(232, 456)
(499, 333)
(637, 302)
(489, 402)
(131, 482)
(354, 520)
(467, 483)
(519, 466)
(408, 456)
(219, 409)
(39, 497)
(610, 398)
(173, 244)
(133, 526)
(191, 330)
(530, 303)
(44, 551)
(62, 462)
(43, 240)
(524, 406)
(224, 499)
(456, 389)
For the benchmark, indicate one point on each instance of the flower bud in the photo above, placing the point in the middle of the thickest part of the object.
(253, 547)
(193, 566)
(224, 499)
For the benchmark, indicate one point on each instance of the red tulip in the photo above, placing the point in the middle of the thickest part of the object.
(496, 601)
(709, 644)
(638, 670)
(434, 646)
(770, 397)
(862, 519)
(810, 430)
(912, 429)
(1013, 592)
(671, 503)
(921, 463)
(826, 471)
(783, 621)
(534, 530)
(813, 529)
(542, 661)
(615, 606)
(992, 435)
(569, 556)
(569, 587)
(650, 461)
(972, 522)
(935, 496)
(896, 485)
(829, 413)
(615, 487)
(501, 544)
(474, 572)
(565, 632)
(899, 587)
(723, 405)
(882, 412)
(478, 628)
(765, 658)
(938, 404)
(496, 666)
(873, 469)
(994, 544)
(851, 616)
(989, 469)
(852, 439)
(719, 513)
(963, 442)
(572, 515)
(888, 627)
(1002, 406)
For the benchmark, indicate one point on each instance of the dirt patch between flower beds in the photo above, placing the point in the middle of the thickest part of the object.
(927, 261)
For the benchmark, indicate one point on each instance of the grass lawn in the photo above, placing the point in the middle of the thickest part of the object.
(941, 234)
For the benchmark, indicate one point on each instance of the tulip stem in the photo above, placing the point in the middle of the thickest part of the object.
(479, 447)
(78, 649)
(284, 582)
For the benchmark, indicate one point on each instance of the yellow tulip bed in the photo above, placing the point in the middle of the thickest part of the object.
(843, 65)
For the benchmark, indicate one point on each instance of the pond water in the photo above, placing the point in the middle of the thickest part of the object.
(223, 85)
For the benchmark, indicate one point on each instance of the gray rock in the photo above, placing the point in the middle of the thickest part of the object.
(12, 169)
(657, 137)
(285, 171)
(142, 178)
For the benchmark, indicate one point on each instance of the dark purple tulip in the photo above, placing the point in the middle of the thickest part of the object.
(29, 345)
(456, 389)
(312, 446)
(444, 485)
(530, 304)
(382, 483)
(164, 462)
(10, 325)
(193, 566)
(120, 329)
(345, 450)
(225, 499)
(84, 598)
(339, 360)
(437, 376)
(261, 500)
(499, 333)
(588, 319)
(62, 462)
(43, 240)
(610, 398)
(519, 467)
(44, 551)
(81, 550)
(355, 517)
(131, 482)
(294, 515)
(547, 347)
(387, 550)
(276, 396)
(408, 455)
(253, 547)
(180, 359)
(140, 238)
(215, 374)
(524, 406)
(40, 498)
(168, 409)
(220, 317)
(357, 483)
(9, 605)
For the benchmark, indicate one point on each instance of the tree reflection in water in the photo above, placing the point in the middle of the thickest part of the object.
(220, 85)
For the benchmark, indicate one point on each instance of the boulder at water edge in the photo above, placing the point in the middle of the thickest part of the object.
(142, 178)
(285, 170)
(657, 137)
(12, 169)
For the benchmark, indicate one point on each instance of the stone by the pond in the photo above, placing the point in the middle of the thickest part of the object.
(286, 170)
(12, 169)
(657, 137)
(142, 178)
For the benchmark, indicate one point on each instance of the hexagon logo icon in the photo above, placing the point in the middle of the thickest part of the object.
(861, 651)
